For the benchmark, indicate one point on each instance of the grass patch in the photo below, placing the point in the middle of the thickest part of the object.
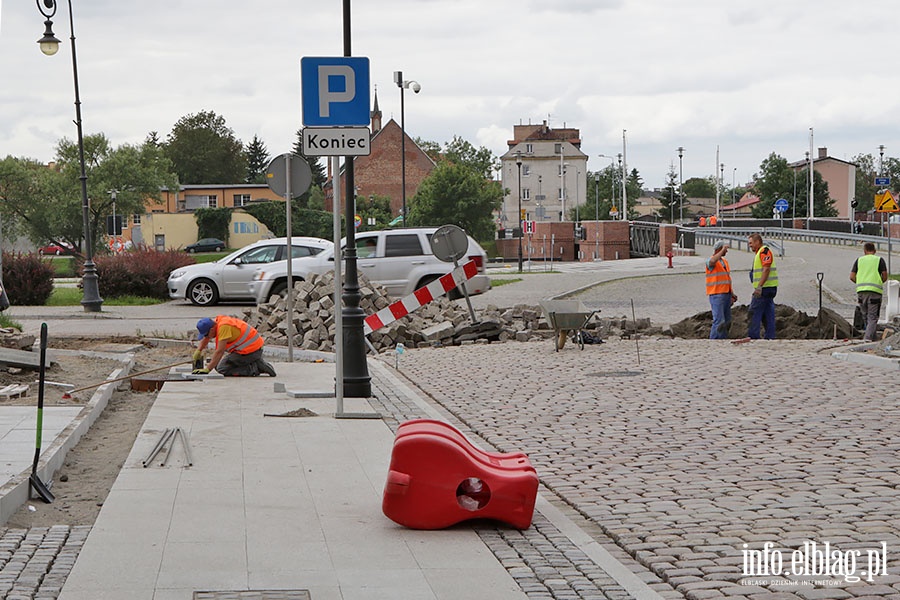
(498, 282)
(63, 266)
(6, 322)
(70, 296)
(208, 257)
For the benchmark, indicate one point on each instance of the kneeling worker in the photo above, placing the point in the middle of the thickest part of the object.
(242, 343)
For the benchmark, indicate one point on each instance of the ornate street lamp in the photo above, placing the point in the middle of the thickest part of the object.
(49, 45)
(680, 186)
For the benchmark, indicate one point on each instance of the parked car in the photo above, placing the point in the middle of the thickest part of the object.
(206, 245)
(228, 278)
(399, 259)
(56, 249)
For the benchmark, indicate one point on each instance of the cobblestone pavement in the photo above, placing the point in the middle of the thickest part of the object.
(673, 463)
(699, 449)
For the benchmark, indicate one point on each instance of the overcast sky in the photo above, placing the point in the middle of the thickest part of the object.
(749, 76)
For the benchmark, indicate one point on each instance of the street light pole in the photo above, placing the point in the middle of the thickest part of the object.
(91, 301)
(521, 222)
(733, 173)
(680, 185)
(403, 85)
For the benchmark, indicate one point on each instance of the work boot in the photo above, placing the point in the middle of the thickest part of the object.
(266, 368)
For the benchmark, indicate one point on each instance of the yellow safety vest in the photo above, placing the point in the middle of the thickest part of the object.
(756, 275)
(868, 279)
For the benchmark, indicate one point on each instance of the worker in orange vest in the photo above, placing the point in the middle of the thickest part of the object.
(239, 340)
(718, 289)
(712, 220)
(702, 221)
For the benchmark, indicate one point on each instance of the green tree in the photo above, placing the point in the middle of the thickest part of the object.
(316, 166)
(599, 190)
(481, 159)
(374, 207)
(205, 150)
(700, 187)
(669, 197)
(257, 161)
(634, 185)
(866, 171)
(432, 149)
(458, 194)
(48, 202)
(776, 180)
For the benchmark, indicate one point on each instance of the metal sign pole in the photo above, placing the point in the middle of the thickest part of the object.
(338, 313)
(289, 300)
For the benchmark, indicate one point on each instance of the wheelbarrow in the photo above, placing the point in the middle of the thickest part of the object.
(565, 316)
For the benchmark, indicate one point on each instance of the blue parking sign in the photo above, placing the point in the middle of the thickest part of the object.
(335, 91)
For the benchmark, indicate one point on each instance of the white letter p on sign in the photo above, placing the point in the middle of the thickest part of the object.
(326, 96)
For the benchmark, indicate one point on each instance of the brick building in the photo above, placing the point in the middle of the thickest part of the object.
(379, 173)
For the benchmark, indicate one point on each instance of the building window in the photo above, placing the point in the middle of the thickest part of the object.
(560, 170)
(526, 170)
(241, 199)
(557, 148)
(193, 202)
(135, 219)
(560, 194)
(529, 148)
(526, 194)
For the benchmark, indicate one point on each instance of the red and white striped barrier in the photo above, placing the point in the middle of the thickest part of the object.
(419, 298)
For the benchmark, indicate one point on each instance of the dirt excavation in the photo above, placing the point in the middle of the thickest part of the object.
(790, 324)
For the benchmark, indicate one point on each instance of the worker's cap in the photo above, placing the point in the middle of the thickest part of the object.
(719, 245)
(204, 325)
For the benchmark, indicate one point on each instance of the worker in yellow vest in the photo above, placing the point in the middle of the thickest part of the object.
(869, 274)
(764, 278)
(719, 290)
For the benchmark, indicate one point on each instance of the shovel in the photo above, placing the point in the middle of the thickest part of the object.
(36, 484)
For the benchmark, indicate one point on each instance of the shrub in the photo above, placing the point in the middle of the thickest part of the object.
(141, 272)
(28, 279)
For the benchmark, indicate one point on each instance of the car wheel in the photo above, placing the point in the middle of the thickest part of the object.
(203, 292)
(40, 252)
(218, 248)
(278, 289)
(58, 252)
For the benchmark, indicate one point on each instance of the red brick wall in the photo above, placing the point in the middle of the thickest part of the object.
(379, 173)
(668, 235)
(606, 240)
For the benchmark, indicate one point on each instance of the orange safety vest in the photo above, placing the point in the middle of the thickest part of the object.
(248, 341)
(702, 221)
(718, 280)
(712, 221)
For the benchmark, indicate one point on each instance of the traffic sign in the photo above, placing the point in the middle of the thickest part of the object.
(335, 91)
(883, 181)
(781, 205)
(336, 141)
(276, 175)
(528, 226)
(885, 202)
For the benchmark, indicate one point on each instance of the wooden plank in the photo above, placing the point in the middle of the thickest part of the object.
(20, 358)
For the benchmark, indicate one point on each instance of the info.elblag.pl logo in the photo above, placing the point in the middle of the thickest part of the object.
(816, 559)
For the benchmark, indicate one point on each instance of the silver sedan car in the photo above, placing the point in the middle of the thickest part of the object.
(228, 278)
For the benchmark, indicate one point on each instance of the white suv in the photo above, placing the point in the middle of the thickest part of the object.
(401, 260)
(228, 278)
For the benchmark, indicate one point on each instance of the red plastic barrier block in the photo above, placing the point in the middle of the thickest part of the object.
(437, 478)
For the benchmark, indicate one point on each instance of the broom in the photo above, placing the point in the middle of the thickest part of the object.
(35, 482)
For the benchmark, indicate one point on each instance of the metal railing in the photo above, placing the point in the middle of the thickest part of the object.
(773, 235)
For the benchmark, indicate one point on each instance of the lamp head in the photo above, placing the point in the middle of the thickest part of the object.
(415, 87)
(49, 43)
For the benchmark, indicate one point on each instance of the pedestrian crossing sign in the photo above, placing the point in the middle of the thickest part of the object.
(885, 202)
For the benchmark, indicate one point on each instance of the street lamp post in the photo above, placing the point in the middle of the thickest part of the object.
(680, 186)
(416, 88)
(91, 301)
(733, 174)
(519, 217)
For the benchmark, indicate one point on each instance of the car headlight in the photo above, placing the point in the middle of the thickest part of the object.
(177, 274)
